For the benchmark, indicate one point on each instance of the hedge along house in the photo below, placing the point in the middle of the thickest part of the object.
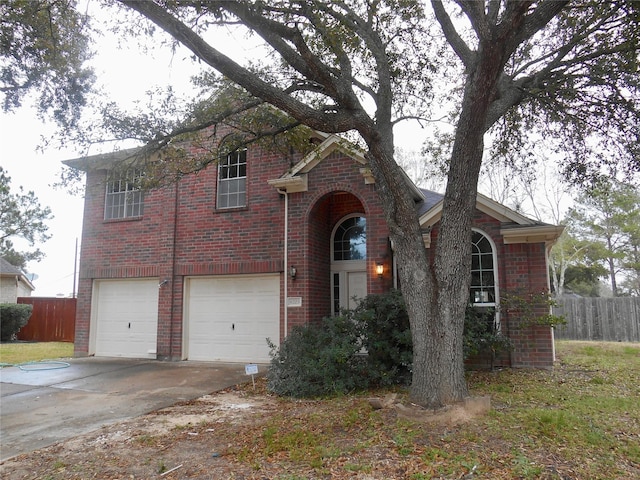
(210, 267)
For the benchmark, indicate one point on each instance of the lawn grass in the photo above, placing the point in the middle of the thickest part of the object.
(14, 353)
(585, 413)
(580, 420)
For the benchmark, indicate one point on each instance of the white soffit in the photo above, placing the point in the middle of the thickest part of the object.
(295, 184)
(535, 234)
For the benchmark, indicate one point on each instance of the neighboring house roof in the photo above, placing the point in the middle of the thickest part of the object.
(9, 270)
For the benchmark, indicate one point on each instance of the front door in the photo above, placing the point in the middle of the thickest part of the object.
(348, 263)
(349, 287)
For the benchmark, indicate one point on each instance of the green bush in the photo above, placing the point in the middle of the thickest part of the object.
(319, 360)
(525, 309)
(384, 322)
(13, 317)
(481, 335)
(368, 346)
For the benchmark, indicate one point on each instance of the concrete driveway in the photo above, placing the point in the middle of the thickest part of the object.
(39, 408)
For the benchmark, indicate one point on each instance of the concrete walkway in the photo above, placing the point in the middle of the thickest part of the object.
(39, 408)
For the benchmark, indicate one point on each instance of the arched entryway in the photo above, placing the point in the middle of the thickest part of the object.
(336, 253)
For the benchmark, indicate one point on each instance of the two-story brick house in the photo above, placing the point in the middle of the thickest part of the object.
(209, 267)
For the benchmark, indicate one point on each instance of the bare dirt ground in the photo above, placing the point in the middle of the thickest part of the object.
(226, 435)
(194, 438)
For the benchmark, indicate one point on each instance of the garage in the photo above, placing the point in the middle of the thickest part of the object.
(124, 318)
(229, 318)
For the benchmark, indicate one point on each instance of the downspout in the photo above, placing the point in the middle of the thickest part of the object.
(174, 235)
(286, 257)
(547, 260)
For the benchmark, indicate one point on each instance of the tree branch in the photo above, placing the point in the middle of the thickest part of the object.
(459, 46)
(334, 122)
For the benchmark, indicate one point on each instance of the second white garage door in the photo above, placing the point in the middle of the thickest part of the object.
(229, 318)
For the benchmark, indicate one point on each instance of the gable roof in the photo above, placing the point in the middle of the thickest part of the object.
(9, 270)
(516, 228)
(295, 179)
(102, 160)
(431, 211)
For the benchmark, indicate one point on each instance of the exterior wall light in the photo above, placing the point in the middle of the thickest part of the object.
(379, 269)
(293, 272)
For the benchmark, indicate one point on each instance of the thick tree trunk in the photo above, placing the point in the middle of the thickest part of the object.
(436, 295)
(439, 365)
(414, 271)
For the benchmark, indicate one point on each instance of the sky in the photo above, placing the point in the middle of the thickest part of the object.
(125, 76)
(20, 134)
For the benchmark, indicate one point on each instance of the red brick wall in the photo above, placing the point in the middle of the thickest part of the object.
(526, 273)
(311, 248)
(336, 189)
(181, 233)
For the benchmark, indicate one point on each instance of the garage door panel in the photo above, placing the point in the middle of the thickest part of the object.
(126, 318)
(230, 318)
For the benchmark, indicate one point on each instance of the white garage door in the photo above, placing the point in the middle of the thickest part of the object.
(229, 318)
(125, 318)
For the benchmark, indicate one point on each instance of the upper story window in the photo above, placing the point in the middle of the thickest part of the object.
(232, 180)
(124, 197)
(350, 239)
(483, 273)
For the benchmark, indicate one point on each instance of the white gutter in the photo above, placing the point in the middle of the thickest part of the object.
(286, 256)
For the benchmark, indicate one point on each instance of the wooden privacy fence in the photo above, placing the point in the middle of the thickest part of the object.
(608, 319)
(53, 320)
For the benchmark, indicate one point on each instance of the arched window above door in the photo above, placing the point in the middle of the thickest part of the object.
(350, 239)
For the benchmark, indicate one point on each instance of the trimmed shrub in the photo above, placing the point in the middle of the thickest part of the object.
(386, 337)
(13, 316)
(318, 360)
(368, 346)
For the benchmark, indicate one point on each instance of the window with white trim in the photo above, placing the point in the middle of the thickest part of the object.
(232, 180)
(124, 197)
(350, 239)
(483, 275)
